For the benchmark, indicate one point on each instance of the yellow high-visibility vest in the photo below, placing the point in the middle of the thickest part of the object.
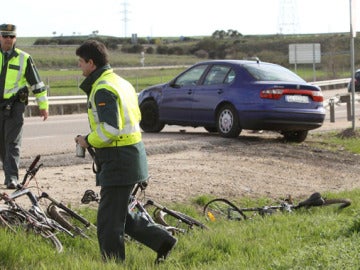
(104, 135)
(15, 78)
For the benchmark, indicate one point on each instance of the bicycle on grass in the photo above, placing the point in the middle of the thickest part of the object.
(172, 221)
(44, 223)
(35, 220)
(223, 209)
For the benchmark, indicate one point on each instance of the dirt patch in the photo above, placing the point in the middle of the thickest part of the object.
(184, 166)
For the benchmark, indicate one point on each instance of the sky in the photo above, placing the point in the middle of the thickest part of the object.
(164, 18)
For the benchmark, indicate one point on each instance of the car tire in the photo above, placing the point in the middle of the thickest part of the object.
(150, 117)
(227, 121)
(295, 136)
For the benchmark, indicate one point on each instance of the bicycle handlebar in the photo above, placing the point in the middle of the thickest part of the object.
(32, 170)
(33, 164)
(66, 209)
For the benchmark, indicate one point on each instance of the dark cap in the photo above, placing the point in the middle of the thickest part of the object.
(8, 29)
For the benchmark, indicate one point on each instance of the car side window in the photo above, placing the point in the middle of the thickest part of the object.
(217, 75)
(230, 77)
(191, 77)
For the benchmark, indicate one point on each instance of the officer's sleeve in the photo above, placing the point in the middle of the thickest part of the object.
(107, 129)
(107, 109)
(36, 85)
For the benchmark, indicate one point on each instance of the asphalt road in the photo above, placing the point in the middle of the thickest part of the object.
(56, 135)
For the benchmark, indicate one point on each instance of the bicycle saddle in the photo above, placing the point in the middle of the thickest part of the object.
(315, 199)
(89, 196)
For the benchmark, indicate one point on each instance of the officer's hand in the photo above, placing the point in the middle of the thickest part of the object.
(82, 141)
(44, 114)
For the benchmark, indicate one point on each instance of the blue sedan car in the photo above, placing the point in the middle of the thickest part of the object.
(226, 96)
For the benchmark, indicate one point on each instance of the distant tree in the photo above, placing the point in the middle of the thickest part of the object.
(233, 34)
(219, 34)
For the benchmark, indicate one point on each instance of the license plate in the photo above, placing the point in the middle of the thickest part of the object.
(297, 98)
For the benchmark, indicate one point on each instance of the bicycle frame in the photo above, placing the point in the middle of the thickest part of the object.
(66, 209)
(35, 211)
(221, 208)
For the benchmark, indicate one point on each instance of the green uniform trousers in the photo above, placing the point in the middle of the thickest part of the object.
(11, 129)
(114, 220)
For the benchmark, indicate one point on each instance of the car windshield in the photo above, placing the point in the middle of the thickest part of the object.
(272, 73)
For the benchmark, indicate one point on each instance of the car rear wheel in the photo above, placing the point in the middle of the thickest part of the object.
(150, 117)
(295, 136)
(228, 122)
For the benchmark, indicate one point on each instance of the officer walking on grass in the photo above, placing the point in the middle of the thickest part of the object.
(114, 116)
(18, 74)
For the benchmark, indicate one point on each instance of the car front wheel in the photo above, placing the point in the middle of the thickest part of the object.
(295, 136)
(150, 117)
(228, 122)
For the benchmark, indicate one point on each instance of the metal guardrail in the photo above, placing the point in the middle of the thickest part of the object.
(57, 104)
(332, 82)
(61, 100)
(80, 100)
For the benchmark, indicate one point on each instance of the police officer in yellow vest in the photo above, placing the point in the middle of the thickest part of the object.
(18, 74)
(114, 116)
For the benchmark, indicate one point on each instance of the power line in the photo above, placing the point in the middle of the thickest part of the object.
(288, 21)
(125, 17)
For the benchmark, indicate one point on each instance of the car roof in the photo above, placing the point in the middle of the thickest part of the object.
(235, 61)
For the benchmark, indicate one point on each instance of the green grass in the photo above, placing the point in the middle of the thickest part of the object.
(318, 238)
(344, 140)
(66, 82)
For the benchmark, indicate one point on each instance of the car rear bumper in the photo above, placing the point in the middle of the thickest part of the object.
(282, 121)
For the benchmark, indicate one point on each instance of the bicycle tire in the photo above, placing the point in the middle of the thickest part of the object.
(343, 203)
(11, 219)
(221, 209)
(65, 220)
(172, 218)
(48, 234)
(14, 220)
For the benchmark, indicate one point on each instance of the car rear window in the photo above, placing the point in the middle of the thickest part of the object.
(265, 72)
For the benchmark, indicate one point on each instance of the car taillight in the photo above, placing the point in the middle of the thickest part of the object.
(317, 96)
(278, 93)
(271, 93)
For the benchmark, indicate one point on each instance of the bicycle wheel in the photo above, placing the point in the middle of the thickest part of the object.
(342, 202)
(171, 218)
(221, 209)
(11, 219)
(46, 233)
(66, 220)
(15, 220)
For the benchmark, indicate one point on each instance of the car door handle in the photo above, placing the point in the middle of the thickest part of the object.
(220, 91)
(190, 91)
